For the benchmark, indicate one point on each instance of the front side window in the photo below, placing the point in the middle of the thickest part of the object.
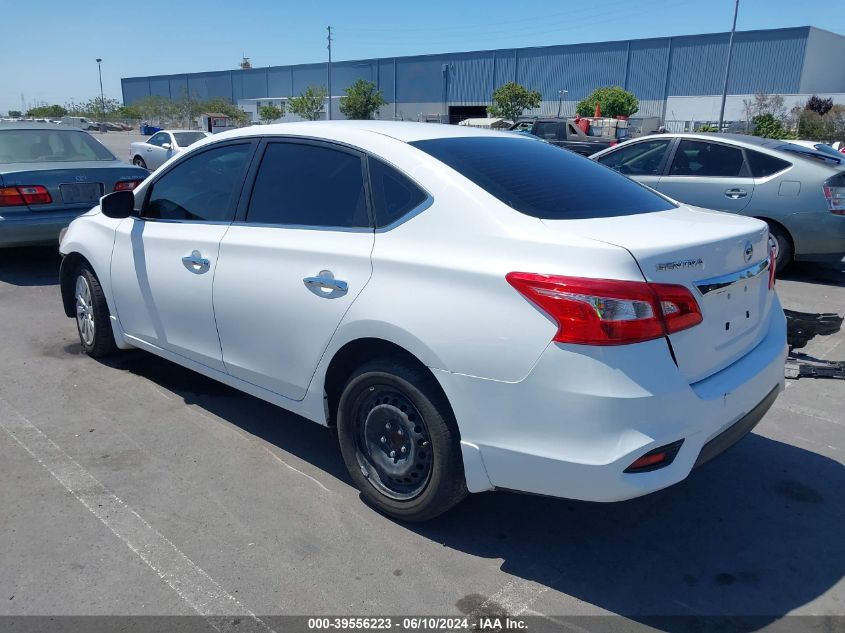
(394, 195)
(309, 185)
(543, 180)
(158, 139)
(701, 158)
(200, 188)
(643, 158)
(546, 130)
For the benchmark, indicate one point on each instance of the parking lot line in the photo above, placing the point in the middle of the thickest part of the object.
(188, 580)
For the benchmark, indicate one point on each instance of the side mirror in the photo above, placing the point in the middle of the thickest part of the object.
(118, 205)
(167, 146)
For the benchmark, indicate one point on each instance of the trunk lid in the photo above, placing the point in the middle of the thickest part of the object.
(73, 186)
(721, 258)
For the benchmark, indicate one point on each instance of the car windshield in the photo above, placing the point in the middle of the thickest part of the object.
(183, 139)
(542, 180)
(48, 146)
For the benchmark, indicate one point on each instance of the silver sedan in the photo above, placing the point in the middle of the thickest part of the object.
(798, 191)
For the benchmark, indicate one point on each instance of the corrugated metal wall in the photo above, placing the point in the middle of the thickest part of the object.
(764, 61)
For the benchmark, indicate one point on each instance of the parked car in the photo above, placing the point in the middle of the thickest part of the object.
(798, 192)
(471, 309)
(564, 133)
(49, 175)
(80, 122)
(161, 146)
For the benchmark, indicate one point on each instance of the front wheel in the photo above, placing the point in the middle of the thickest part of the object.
(92, 315)
(399, 441)
(139, 162)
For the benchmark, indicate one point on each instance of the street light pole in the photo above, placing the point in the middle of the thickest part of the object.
(329, 75)
(102, 99)
(560, 94)
(728, 68)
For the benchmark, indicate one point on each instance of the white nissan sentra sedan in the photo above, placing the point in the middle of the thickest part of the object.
(471, 309)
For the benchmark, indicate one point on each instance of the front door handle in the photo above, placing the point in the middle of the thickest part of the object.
(195, 262)
(736, 194)
(326, 281)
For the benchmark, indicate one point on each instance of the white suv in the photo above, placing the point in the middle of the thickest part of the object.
(472, 310)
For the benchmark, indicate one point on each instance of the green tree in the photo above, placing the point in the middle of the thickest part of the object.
(767, 126)
(52, 111)
(512, 99)
(129, 112)
(362, 100)
(310, 104)
(270, 113)
(613, 100)
(15, 114)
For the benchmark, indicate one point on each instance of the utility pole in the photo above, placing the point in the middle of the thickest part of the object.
(728, 68)
(102, 99)
(329, 76)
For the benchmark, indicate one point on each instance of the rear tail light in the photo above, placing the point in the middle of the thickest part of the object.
(606, 311)
(126, 185)
(614, 143)
(834, 193)
(24, 195)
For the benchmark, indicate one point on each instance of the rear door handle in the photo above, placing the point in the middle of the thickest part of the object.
(326, 281)
(736, 194)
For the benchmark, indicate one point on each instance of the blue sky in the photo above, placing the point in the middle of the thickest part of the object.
(48, 49)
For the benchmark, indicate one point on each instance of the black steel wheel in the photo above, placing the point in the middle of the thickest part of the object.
(399, 441)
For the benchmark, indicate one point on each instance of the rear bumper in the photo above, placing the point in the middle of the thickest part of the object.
(43, 229)
(583, 415)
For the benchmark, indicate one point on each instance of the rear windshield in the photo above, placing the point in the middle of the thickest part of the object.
(183, 139)
(49, 146)
(542, 180)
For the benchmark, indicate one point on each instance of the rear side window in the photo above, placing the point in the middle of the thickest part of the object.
(543, 180)
(763, 165)
(394, 195)
(199, 188)
(309, 185)
(643, 158)
(700, 158)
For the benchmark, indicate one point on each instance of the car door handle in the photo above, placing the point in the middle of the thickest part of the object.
(327, 281)
(736, 194)
(195, 261)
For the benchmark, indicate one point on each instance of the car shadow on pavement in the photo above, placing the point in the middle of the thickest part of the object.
(751, 535)
(30, 265)
(748, 537)
(306, 440)
(826, 274)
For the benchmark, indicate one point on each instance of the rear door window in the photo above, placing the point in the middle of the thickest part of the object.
(702, 158)
(543, 180)
(643, 158)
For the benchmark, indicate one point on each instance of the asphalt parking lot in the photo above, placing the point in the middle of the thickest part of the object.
(250, 510)
(118, 142)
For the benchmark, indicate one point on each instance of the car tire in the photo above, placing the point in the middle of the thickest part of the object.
(139, 162)
(785, 250)
(389, 405)
(93, 322)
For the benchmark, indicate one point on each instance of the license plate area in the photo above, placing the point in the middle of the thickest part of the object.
(81, 192)
(737, 309)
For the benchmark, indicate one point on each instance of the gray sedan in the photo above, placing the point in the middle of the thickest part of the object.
(799, 192)
(49, 175)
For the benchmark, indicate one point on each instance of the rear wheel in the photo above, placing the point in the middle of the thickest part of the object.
(139, 162)
(92, 314)
(783, 247)
(399, 441)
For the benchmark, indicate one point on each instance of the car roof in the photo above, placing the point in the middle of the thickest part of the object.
(171, 131)
(740, 139)
(405, 131)
(32, 125)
